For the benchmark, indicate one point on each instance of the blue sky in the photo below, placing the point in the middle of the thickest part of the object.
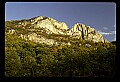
(99, 15)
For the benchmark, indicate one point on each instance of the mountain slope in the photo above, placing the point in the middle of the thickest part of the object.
(49, 31)
(32, 51)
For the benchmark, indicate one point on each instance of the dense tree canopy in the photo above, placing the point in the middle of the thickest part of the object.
(26, 58)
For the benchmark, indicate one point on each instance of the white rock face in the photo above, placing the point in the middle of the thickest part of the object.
(45, 24)
(11, 31)
(33, 21)
(87, 45)
(61, 25)
(85, 32)
(38, 39)
(50, 26)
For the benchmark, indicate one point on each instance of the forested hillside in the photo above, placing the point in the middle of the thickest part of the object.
(27, 53)
(26, 58)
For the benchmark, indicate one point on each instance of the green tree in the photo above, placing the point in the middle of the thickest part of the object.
(111, 59)
(28, 64)
(12, 64)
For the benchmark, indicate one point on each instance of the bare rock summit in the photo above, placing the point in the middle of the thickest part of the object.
(47, 30)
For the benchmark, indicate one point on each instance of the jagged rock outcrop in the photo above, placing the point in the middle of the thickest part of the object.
(11, 31)
(40, 39)
(36, 26)
(85, 33)
(37, 38)
(49, 24)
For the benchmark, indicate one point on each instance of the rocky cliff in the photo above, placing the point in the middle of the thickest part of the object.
(49, 31)
(85, 33)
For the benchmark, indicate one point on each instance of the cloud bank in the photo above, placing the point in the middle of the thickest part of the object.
(105, 28)
(107, 33)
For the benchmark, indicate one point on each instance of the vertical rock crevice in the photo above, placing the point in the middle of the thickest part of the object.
(82, 33)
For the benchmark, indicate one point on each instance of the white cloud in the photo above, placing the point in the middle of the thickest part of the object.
(105, 33)
(105, 28)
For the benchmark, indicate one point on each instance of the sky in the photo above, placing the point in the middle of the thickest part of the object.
(99, 15)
